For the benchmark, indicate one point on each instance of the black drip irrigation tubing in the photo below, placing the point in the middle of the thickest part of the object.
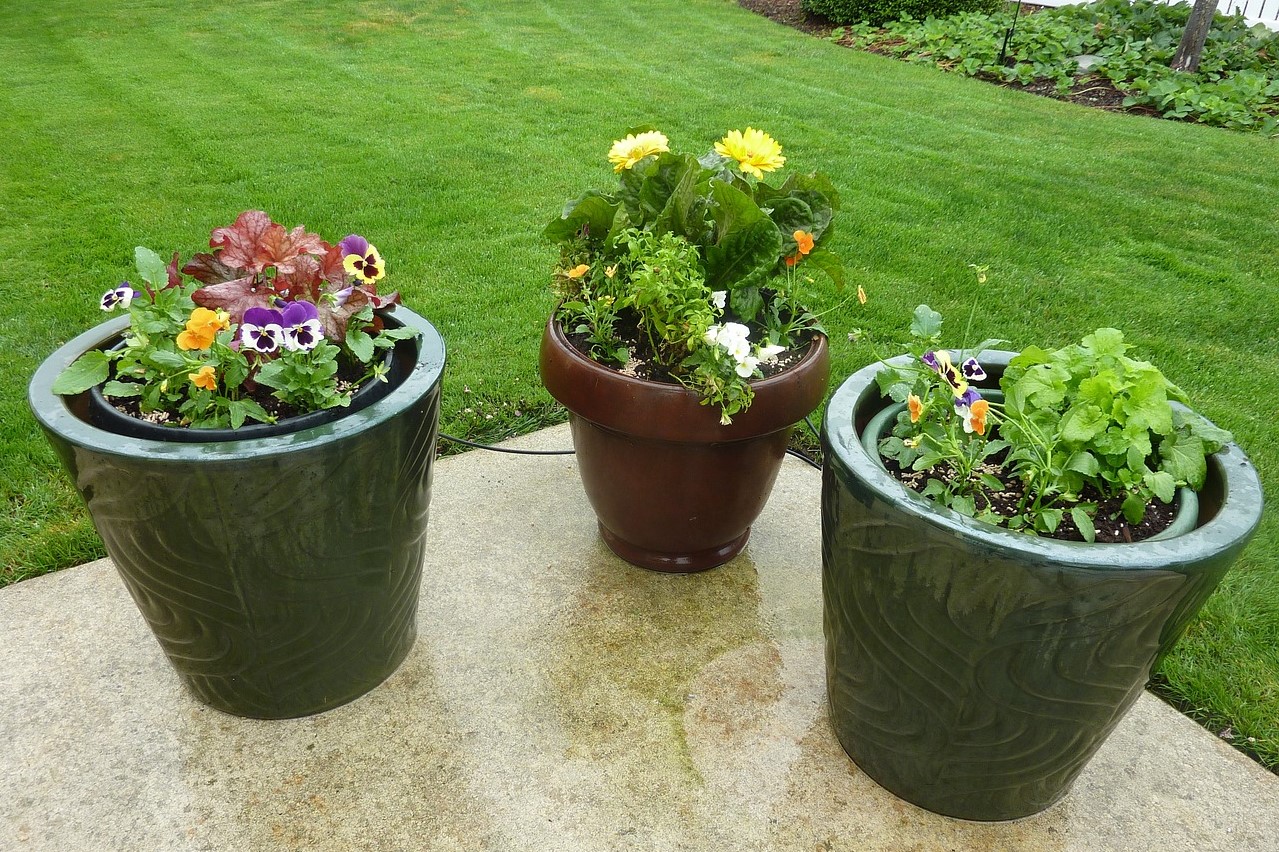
(509, 450)
(790, 452)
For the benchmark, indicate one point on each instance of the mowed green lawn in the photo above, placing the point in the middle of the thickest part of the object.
(448, 132)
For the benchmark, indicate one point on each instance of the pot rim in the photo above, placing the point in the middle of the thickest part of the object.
(1232, 524)
(578, 383)
(54, 413)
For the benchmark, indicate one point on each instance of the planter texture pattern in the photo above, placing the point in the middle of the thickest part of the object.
(974, 671)
(280, 575)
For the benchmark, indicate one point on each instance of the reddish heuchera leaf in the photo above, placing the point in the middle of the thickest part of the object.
(254, 242)
(208, 269)
(235, 297)
(175, 279)
(285, 249)
(302, 281)
(332, 269)
(334, 318)
(380, 302)
(238, 243)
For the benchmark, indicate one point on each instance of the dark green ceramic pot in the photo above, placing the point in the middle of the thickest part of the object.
(971, 670)
(280, 574)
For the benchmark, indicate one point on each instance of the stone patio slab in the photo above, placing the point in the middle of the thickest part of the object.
(557, 699)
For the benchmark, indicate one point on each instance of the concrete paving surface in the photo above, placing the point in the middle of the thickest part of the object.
(556, 699)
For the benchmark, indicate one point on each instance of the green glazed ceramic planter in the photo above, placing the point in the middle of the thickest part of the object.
(280, 575)
(971, 670)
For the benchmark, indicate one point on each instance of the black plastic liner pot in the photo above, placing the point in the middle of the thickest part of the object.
(280, 574)
(972, 670)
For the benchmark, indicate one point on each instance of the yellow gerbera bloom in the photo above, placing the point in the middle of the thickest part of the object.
(629, 151)
(755, 151)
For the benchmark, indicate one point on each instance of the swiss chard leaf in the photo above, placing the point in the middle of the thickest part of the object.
(590, 215)
(828, 262)
(747, 303)
(747, 243)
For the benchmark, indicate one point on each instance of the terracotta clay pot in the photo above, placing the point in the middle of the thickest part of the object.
(672, 488)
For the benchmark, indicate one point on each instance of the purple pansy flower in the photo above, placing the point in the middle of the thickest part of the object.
(354, 244)
(972, 370)
(930, 361)
(967, 398)
(119, 297)
(301, 326)
(262, 330)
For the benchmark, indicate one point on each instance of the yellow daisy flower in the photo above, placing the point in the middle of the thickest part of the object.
(629, 151)
(755, 151)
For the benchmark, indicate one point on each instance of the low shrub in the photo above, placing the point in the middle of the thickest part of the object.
(880, 12)
(1236, 86)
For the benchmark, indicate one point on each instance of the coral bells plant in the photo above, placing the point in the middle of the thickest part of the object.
(274, 323)
(690, 270)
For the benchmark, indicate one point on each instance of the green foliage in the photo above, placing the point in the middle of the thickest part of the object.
(878, 12)
(684, 242)
(194, 366)
(660, 279)
(1236, 86)
(1089, 415)
(307, 379)
(943, 431)
(1082, 416)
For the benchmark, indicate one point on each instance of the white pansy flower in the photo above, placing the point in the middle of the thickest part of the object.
(719, 298)
(746, 366)
(712, 335)
(770, 352)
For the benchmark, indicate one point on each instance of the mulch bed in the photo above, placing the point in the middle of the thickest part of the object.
(1091, 90)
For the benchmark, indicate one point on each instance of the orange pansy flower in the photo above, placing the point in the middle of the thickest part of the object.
(204, 378)
(916, 406)
(202, 327)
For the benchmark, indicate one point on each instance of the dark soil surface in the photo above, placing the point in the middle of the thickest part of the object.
(1092, 91)
(1109, 522)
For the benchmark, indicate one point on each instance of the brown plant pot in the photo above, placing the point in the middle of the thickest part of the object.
(673, 489)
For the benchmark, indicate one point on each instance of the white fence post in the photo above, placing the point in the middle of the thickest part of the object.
(1265, 12)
